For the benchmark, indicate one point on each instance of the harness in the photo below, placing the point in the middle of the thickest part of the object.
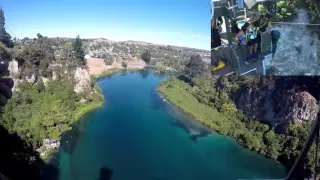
(252, 33)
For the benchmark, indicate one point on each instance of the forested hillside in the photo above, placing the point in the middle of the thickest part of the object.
(52, 90)
(270, 115)
(163, 57)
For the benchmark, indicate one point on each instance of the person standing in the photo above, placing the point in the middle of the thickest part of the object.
(215, 33)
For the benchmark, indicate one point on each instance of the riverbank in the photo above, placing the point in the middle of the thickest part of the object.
(98, 68)
(112, 71)
(181, 95)
(136, 125)
(81, 110)
(78, 113)
(188, 104)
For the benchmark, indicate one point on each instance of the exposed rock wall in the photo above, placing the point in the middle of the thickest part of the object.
(278, 107)
(13, 69)
(82, 80)
(14, 72)
(80, 76)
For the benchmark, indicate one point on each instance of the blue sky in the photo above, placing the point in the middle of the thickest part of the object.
(174, 22)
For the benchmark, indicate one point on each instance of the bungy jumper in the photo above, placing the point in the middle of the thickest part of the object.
(227, 56)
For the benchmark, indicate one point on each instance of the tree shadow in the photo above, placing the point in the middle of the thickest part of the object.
(18, 159)
(105, 173)
(195, 137)
(49, 172)
(143, 73)
(69, 140)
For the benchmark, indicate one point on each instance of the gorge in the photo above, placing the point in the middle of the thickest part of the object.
(138, 135)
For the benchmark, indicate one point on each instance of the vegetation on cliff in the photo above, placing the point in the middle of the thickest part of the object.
(36, 113)
(45, 102)
(209, 100)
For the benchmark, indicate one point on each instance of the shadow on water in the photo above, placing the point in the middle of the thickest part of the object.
(105, 173)
(191, 126)
(18, 159)
(124, 72)
(68, 142)
(200, 135)
(50, 172)
(144, 73)
(69, 139)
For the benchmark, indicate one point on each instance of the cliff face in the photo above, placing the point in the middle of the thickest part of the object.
(278, 107)
(82, 80)
(79, 76)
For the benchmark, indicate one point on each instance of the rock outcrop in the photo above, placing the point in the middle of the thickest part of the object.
(277, 107)
(14, 69)
(81, 77)
(82, 80)
(31, 79)
(45, 81)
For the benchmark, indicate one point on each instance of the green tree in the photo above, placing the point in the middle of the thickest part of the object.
(5, 37)
(39, 36)
(146, 56)
(196, 67)
(78, 51)
(68, 48)
(4, 54)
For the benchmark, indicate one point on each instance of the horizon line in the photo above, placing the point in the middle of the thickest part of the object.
(93, 38)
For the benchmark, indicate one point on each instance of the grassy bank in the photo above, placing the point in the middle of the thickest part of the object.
(83, 109)
(208, 103)
(178, 93)
(79, 112)
(228, 121)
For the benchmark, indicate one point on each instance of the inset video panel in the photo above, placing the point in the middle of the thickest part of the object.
(251, 37)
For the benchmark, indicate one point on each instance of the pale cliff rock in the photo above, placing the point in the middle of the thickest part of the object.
(45, 81)
(14, 69)
(54, 75)
(82, 80)
(16, 84)
(31, 79)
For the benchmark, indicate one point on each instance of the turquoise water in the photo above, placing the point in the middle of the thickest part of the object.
(138, 136)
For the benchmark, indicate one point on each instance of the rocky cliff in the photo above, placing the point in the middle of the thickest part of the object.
(80, 76)
(279, 106)
(82, 80)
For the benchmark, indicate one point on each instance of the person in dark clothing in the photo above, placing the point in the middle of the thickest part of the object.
(215, 33)
(263, 22)
(262, 25)
(215, 38)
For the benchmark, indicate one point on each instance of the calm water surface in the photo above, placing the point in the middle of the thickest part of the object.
(138, 136)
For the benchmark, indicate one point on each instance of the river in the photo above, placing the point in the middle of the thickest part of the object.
(137, 135)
